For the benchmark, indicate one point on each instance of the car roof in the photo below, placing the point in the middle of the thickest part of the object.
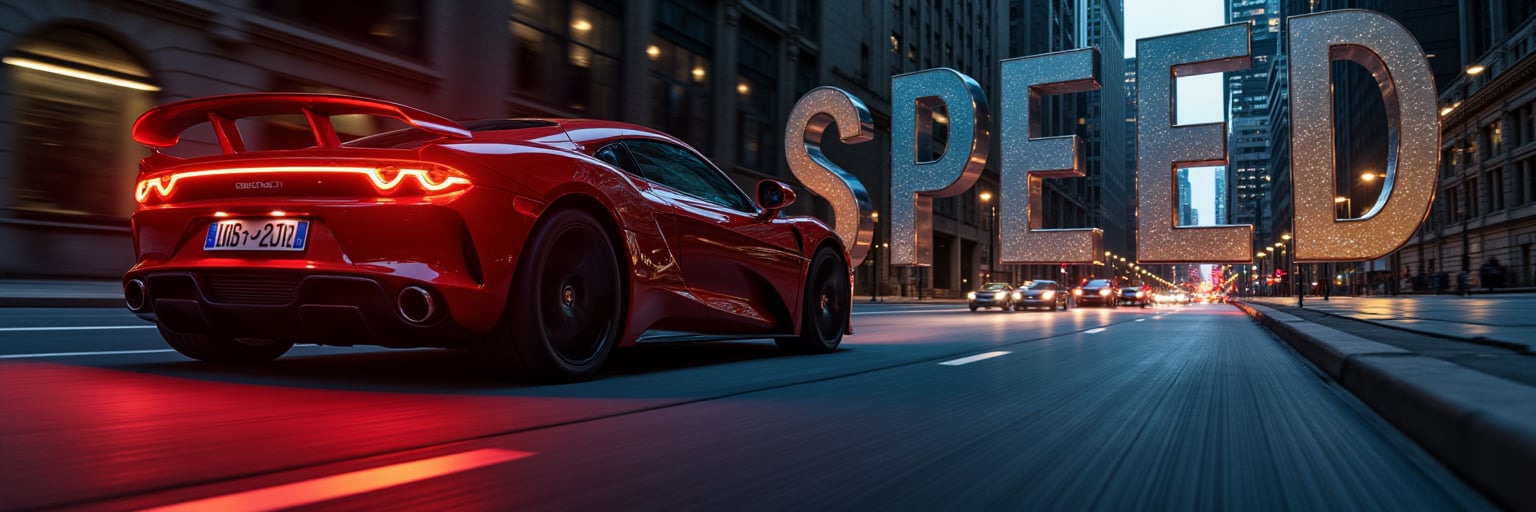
(587, 134)
(582, 135)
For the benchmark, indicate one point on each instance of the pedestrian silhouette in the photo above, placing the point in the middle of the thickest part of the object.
(1491, 274)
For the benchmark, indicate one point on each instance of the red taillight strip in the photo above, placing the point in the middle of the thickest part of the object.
(166, 184)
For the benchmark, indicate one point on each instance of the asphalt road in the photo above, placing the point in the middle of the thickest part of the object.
(1188, 408)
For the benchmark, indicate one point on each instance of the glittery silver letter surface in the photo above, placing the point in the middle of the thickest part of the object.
(1390, 52)
(1027, 160)
(1161, 147)
(914, 184)
(808, 122)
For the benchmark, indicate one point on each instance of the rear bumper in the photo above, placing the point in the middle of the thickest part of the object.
(327, 309)
(1102, 300)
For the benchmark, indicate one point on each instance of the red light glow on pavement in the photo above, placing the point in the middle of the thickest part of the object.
(349, 484)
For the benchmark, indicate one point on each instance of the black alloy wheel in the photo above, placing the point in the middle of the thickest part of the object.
(564, 312)
(824, 316)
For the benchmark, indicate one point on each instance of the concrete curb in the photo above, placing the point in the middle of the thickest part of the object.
(1482, 426)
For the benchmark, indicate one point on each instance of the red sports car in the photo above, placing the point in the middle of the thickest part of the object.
(540, 243)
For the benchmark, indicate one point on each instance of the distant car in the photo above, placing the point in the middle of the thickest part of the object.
(1136, 294)
(1040, 294)
(1170, 297)
(991, 295)
(540, 244)
(1099, 292)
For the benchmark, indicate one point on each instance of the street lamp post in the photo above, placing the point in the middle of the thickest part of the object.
(1349, 213)
(1284, 244)
(986, 198)
(1259, 268)
(874, 257)
(1369, 178)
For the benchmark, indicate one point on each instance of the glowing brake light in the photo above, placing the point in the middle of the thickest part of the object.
(384, 179)
(435, 180)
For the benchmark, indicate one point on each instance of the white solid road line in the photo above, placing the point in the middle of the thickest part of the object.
(1141, 319)
(972, 359)
(101, 353)
(1096, 331)
(913, 311)
(76, 328)
(316, 490)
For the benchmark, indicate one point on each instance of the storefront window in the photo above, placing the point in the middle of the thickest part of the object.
(75, 95)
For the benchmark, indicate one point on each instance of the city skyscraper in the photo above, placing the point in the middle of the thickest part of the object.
(1248, 105)
(1185, 209)
(1109, 180)
(1220, 215)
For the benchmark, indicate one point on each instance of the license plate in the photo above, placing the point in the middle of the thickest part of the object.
(257, 235)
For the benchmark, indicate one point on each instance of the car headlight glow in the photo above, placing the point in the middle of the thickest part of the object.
(1077, 291)
(1140, 295)
(1017, 296)
(1047, 295)
(1104, 292)
(970, 295)
(999, 295)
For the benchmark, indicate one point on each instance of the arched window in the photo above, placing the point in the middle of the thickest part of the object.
(75, 95)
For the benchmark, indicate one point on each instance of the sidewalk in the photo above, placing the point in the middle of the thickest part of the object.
(1506, 319)
(60, 293)
(1456, 374)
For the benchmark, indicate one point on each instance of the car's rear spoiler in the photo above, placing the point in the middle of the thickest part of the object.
(161, 127)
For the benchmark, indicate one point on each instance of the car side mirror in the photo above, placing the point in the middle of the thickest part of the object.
(772, 196)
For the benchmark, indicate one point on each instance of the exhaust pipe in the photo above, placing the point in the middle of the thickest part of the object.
(416, 305)
(135, 295)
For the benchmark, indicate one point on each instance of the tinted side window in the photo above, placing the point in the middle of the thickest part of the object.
(678, 168)
(614, 155)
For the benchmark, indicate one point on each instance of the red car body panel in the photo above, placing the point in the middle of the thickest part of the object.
(692, 265)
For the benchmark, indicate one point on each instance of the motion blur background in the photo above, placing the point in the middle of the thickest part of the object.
(722, 75)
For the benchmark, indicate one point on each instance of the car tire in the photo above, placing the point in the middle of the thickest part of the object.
(824, 313)
(222, 349)
(973, 307)
(564, 313)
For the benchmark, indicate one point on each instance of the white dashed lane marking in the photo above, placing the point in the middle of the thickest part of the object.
(1095, 331)
(972, 359)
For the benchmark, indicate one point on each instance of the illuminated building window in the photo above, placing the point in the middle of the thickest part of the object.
(394, 25)
(74, 97)
(565, 56)
(755, 94)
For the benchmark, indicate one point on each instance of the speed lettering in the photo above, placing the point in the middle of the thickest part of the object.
(1371, 39)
